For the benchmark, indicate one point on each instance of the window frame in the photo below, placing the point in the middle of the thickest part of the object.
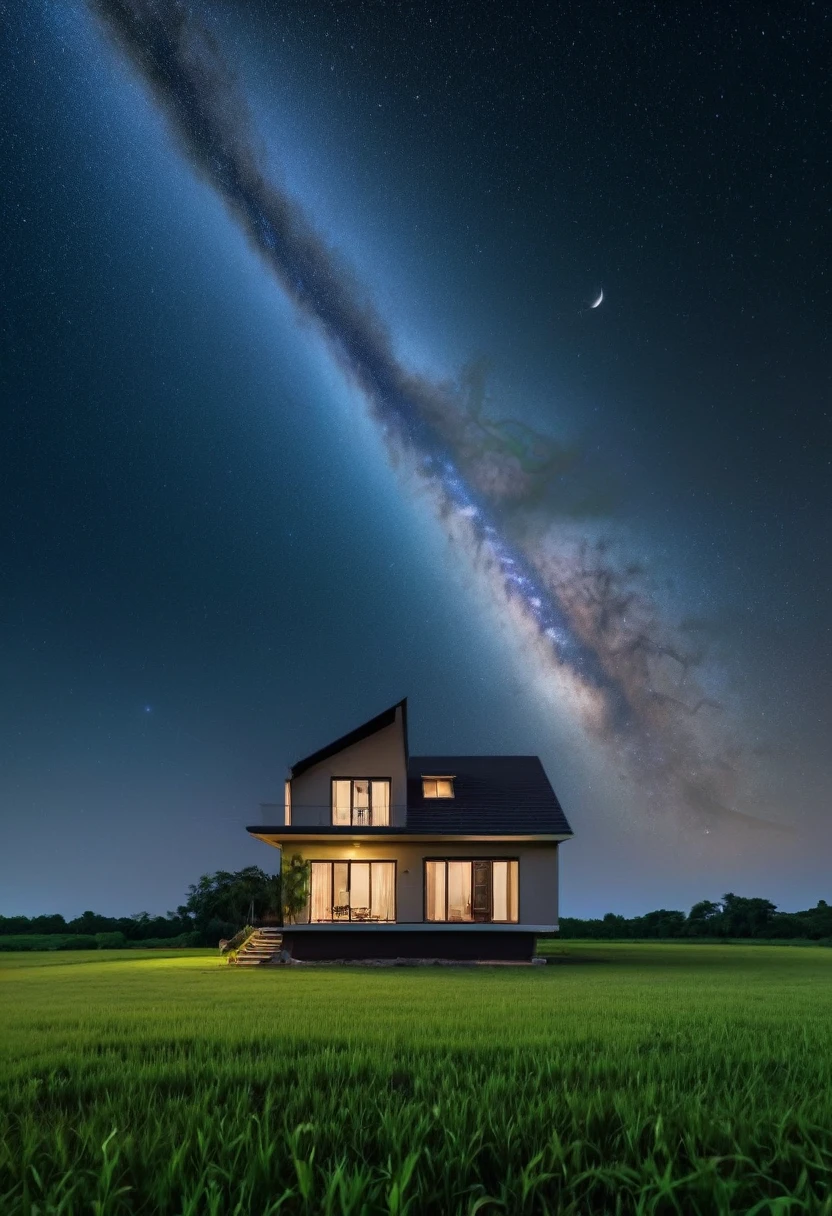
(470, 861)
(352, 780)
(449, 777)
(349, 862)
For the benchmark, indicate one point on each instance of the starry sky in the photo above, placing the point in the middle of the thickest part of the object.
(305, 410)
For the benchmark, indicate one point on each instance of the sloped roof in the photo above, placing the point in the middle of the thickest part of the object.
(492, 795)
(386, 718)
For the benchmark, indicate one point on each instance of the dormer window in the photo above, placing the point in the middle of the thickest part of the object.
(437, 787)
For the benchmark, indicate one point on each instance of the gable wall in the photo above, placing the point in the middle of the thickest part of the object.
(381, 755)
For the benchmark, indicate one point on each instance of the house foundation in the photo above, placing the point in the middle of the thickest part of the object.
(314, 944)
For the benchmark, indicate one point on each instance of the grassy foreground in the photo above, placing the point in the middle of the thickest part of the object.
(620, 1078)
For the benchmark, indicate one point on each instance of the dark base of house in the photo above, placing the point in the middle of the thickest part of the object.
(319, 945)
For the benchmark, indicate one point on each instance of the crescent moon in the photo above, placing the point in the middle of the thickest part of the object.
(598, 301)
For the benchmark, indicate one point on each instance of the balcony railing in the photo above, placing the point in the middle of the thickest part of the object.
(362, 816)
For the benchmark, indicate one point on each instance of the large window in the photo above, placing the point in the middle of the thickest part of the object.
(362, 891)
(361, 802)
(472, 891)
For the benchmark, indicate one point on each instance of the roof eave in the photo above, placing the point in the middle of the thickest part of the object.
(272, 835)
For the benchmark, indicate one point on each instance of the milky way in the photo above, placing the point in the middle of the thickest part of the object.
(591, 630)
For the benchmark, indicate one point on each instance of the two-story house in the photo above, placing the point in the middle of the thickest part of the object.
(418, 856)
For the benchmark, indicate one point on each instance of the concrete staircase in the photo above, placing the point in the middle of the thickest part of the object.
(260, 948)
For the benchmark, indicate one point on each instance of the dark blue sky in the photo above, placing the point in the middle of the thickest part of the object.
(210, 566)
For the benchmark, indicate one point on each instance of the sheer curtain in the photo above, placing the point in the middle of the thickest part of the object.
(341, 802)
(514, 891)
(381, 804)
(435, 890)
(499, 890)
(459, 890)
(359, 890)
(383, 888)
(340, 890)
(321, 890)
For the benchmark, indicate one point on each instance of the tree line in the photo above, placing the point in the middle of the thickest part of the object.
(220, 904)
(734, 916)
(215, 907)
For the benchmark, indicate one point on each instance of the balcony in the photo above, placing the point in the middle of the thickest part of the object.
(325, 815)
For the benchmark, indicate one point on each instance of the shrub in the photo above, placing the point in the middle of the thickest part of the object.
(24, 942)
(79, 941)
(111, 941)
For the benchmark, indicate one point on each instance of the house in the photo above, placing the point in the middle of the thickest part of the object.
(418, 856)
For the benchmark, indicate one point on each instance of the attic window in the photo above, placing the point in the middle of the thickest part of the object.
(437, 787)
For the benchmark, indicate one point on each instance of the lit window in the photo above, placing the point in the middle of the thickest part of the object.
(361, 802)
(363, 891)
(437, 787)
(471, 891)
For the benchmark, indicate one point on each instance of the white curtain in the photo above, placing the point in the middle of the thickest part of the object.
(360, 890)
(514, 891)
(384, 894)
(459, 890)
(381, 804)
(435, 890)
(321, 890)
(340, 890)
(499, 889)
(341, 802)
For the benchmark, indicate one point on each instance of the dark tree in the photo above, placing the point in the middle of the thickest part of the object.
(225, 901)
(704, 919)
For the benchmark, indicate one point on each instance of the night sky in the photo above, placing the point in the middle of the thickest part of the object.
(305, 409)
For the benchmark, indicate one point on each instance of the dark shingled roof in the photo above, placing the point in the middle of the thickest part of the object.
(492, 794)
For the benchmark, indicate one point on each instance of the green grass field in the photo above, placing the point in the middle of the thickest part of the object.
(619, 1078)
